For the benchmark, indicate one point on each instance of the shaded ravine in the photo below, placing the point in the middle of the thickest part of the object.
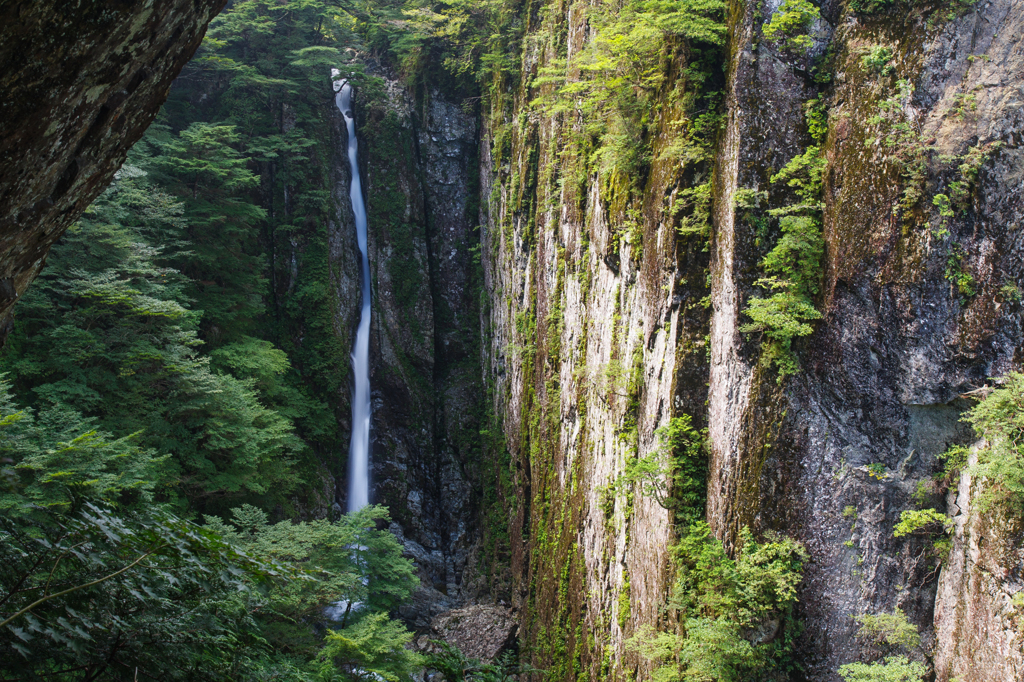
(359, 446)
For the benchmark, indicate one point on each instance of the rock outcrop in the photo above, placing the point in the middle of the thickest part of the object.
(81, 81)
(481, 631)
(978, 616)
(920, 305)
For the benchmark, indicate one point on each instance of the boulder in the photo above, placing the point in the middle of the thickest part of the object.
(480, 631)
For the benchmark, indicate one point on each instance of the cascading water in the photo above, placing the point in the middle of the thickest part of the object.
(359, 447)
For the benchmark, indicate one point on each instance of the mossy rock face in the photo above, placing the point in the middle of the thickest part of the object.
(81, 83)
(878, 397)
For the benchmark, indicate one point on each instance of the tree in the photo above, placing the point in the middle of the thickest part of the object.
(359, 572)
(891, 632)
(96, 581)
(999, 419)
(100, 581)
(224, 262)
(106, 332)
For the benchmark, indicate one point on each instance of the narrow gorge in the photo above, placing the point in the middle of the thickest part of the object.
(640, 340)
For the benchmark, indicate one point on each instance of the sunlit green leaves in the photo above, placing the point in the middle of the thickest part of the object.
(721, 600)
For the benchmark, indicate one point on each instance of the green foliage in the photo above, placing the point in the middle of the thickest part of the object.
(60, 462)
(999, 419)
(878, 59)
(817, 120)
(1010, 292)
(457, 43)
(373, 648)
(961, 191)
(961, 280)
(623, 611)
(106, 332)
(870, 6)
(924, 492)
(941, 201)
(223, 264)
(257, 86)
(100, 580)
(903, 142)
(804, 174)
(889, 629)
(354, 564)
(915, 520)
(719, 600)
(944, 11)
(674, 473)
(620, 78)
(964, 104)
(889, 632)
(93, 591)
(793, 267)
(695, 205)
(790, 24)
(457, 667)
(893, 669)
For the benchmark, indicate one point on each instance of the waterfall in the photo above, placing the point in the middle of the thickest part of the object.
(359, 447)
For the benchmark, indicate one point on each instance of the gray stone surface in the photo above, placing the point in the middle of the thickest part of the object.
(481, 631)
(81, 82)
(425, 377)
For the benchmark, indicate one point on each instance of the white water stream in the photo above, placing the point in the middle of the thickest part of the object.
(359, 446)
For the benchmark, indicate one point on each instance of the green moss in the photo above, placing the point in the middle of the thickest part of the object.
(624, 612)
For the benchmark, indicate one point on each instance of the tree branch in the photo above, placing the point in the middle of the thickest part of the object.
(81, 587)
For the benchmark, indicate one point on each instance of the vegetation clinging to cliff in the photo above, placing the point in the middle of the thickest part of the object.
(720, 600)
(793, 266)
(618, 82)
(999, 419)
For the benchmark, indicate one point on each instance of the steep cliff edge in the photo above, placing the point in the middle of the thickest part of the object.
(596, 341)
(81, 83)
(920, 220)
(919, 308)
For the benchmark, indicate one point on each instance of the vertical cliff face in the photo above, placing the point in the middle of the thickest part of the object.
(596, 340)
(81, 83)
(764, 129)
(918, 308)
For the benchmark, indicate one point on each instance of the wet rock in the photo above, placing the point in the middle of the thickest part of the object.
(419, 176)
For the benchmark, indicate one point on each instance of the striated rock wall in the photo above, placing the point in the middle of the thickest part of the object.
(977, 620)
(596, 339)
(834, 455)
(919, 308)
(81, 81)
